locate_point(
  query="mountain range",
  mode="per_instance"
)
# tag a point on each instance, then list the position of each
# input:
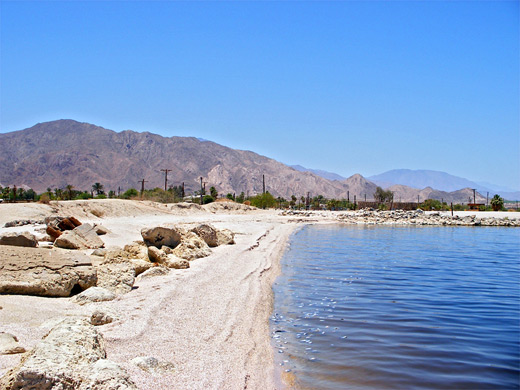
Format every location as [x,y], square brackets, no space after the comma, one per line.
[54,154]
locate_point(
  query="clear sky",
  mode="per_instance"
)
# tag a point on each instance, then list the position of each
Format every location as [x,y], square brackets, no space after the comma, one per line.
[349,87]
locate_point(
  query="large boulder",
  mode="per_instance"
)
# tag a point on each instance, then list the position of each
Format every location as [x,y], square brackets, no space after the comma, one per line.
[82,237]
[159,236]
[35,271]
[191,247]
[71,356]
[208,233]
[25,239]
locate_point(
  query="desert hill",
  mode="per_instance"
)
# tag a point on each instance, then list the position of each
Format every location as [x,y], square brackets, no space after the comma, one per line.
[54,154]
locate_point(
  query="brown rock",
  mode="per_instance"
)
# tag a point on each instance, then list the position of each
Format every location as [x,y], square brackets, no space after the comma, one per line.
[74,221]
[53,232]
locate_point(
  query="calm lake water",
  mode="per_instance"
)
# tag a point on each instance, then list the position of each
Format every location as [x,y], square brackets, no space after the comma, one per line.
[400,308]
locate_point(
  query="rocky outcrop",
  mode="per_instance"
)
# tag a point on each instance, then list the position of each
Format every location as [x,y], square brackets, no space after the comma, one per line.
[94,294]
[81,237]
[25,239]
[71,356]
[45,272]
[9,344]
[208,233]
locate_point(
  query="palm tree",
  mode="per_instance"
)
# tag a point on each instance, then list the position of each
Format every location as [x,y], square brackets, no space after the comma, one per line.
[69,188]
[98,187]
[497,202]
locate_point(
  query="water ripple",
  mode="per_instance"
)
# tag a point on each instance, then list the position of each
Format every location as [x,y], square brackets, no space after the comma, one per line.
[400,308]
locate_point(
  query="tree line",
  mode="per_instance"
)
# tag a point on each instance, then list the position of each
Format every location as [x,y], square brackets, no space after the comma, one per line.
[176,194]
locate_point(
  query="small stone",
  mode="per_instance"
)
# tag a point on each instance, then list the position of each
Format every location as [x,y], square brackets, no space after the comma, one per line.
[152,365]
[154,271]
[9,344]
[99,317]
[94,294]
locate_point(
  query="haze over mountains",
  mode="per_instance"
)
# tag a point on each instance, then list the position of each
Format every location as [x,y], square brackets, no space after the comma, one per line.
[54,154]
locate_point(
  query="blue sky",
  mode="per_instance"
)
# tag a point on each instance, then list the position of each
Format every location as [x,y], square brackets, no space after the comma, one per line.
[349,87]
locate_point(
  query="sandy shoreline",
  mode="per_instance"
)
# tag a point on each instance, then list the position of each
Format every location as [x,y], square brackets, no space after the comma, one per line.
[210,321]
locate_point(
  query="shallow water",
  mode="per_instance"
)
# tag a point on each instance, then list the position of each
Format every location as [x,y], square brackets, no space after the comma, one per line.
[400,308]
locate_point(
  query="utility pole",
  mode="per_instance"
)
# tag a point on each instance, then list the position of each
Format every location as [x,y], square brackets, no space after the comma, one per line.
[348,196]
[201,190]
[142,186]
[166,178]
[365,197]
[263,184]
[474,198]
[183,195]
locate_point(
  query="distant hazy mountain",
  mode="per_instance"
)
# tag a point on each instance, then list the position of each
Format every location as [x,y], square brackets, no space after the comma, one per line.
[421,179]
[325,174]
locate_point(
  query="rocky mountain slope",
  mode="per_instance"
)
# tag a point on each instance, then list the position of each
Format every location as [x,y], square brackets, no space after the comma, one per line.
[54,154]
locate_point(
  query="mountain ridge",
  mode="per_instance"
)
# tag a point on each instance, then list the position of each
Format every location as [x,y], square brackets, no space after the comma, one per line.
[54,154]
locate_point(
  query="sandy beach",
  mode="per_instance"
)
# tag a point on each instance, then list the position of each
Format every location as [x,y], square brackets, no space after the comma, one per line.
[211,321]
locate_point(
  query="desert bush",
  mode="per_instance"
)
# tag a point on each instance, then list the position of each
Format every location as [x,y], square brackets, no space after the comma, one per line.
[45,198]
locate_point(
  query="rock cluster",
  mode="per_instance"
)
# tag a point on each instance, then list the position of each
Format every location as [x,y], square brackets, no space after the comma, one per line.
[419,217]
[174,247]
[23,222]
[70,233]
[71,356]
